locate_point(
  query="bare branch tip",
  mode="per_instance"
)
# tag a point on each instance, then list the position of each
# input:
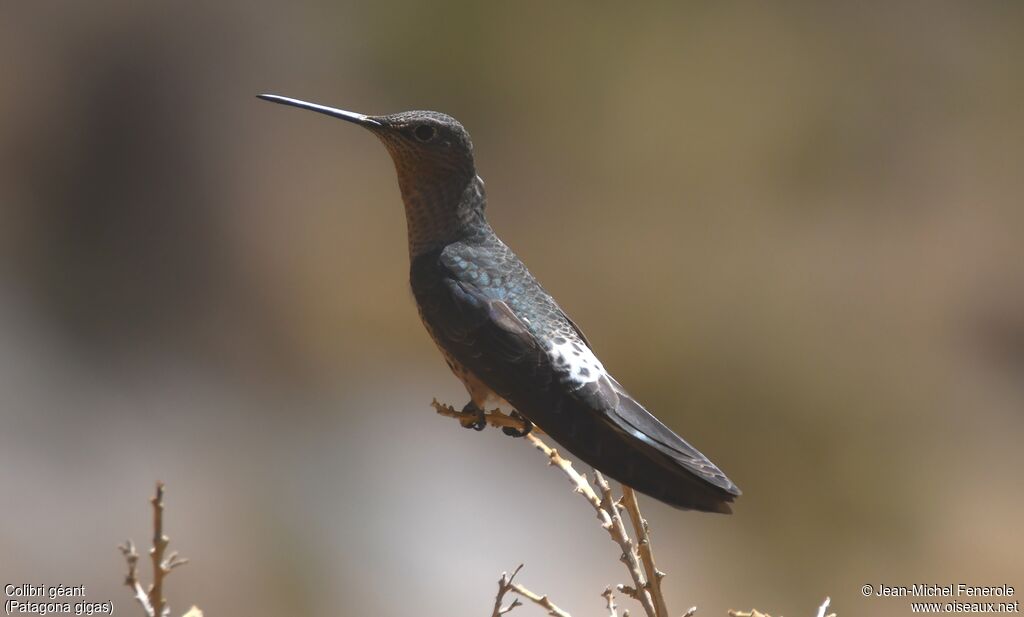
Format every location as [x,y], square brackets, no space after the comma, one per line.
[824,606]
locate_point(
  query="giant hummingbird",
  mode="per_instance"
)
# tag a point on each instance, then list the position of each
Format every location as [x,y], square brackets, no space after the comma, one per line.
[504,336]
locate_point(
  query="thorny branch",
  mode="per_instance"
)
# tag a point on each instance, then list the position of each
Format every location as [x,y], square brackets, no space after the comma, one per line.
[506,584]
[640,590]
[756,613]
[606,508]
[609,602]
[638,555]
[641,532]
[152,601]
[131,579]
[543,601]
[495,417]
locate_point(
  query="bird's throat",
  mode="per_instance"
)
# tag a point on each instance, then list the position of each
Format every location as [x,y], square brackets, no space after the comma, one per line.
[440,212]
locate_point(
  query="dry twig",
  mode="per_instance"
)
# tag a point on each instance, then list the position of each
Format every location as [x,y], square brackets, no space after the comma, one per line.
[756,613]
[609,600]
[543,601]
[638,555]
[643,542]
[506,584]
[640,591]
[495,417]
[605,507]
[824,607]
[152,601]
[131,579]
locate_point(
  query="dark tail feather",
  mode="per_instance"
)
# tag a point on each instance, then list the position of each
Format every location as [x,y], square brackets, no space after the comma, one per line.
[631,461]
[613,433]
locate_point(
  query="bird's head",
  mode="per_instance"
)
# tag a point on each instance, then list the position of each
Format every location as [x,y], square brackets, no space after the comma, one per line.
[425,145]
[433,155]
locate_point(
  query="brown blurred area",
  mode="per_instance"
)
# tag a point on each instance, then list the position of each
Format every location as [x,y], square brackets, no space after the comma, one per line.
[794,232]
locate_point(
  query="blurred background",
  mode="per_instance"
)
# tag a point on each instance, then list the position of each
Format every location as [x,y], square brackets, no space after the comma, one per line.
[794,232]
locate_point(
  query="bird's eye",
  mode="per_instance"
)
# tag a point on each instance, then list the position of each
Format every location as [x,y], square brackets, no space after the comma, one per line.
[425,132]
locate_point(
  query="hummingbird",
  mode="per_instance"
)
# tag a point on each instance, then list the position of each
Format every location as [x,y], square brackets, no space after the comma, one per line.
[504,336]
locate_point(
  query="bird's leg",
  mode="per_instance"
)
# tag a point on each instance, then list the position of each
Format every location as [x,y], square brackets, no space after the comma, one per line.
[515,432]
[478,422]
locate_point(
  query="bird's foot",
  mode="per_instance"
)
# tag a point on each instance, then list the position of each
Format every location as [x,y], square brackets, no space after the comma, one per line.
[474,418]
[515,432]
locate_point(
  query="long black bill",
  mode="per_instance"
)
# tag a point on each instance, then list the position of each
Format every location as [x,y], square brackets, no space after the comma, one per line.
[351,116]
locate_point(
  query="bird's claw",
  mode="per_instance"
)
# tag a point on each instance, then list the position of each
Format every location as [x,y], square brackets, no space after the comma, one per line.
[515,432]
[478,422]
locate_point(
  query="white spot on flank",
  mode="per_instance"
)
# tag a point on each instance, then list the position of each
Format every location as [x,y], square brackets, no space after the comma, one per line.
[578,362]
